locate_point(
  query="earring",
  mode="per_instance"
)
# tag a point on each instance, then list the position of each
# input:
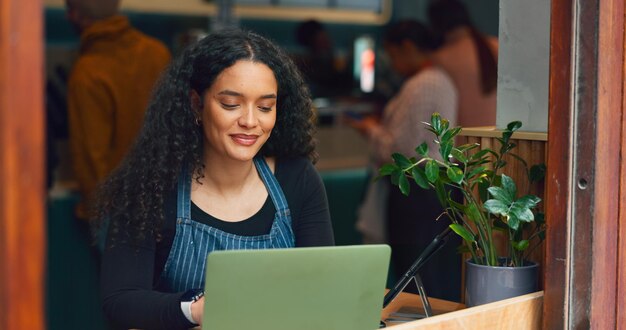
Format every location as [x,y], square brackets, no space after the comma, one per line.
[198,121]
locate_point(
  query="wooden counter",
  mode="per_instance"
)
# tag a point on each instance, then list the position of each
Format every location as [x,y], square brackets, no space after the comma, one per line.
[411,303]
[518,313]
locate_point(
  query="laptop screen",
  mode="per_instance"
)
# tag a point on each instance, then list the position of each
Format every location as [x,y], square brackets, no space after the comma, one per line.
[302,288]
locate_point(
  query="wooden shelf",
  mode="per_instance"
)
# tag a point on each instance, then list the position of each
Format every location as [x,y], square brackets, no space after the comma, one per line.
[201,8]
[491,132]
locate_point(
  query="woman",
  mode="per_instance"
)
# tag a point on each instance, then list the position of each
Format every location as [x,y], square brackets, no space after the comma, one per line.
[223,161]
[411,221]
[470,58]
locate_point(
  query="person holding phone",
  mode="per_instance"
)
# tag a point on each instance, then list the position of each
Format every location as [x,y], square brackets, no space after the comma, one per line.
[410,222]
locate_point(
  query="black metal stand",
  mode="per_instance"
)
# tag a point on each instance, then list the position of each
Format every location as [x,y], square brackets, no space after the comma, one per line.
[437,243]
[428,311]
[399,317]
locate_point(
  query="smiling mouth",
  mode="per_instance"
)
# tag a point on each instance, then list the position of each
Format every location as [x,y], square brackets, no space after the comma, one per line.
[244,140]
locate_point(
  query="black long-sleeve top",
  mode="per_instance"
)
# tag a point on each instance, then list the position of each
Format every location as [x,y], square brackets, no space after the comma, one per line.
[131,271]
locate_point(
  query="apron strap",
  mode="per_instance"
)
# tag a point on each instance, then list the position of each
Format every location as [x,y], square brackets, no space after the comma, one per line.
[183,202]
[274,189]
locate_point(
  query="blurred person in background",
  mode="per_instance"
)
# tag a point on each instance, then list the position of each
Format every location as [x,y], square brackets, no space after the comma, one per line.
[411,222]
[326,74]
[108,89]
[470,58]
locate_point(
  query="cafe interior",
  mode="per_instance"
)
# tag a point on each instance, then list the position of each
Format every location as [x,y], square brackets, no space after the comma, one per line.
[560,72]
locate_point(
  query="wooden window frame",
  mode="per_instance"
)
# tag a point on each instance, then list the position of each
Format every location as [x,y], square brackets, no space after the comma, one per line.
[585,257]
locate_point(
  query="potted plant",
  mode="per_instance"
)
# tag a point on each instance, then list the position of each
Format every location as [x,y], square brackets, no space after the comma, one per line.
[491,207]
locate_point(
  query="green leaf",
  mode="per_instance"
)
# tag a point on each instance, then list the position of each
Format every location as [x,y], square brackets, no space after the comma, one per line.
[540,218]
[419,177]
[475,171]
[458,206]
[435,121]
[521,213]
[464,233]
[480,154]
[521,245]
[509,186]
[444,149]
[458,155]
[514,126]
[478,162]
[528,201]
[401,160]
[387,169]
[506,137]
[537,173]
[455,174]
[430,128]
[497,179]
[450,134]
[471,210]
[520,159]
[395,176]
[432,171]
[456,131]
[496,207]
[422,149]
[500,163]
[444,124]
[501,195]
[441,193]
[403,183]
[483,185]
[468,146]
[513,222]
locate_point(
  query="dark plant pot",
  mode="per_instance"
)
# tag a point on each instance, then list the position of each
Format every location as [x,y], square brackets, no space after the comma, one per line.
[485,284]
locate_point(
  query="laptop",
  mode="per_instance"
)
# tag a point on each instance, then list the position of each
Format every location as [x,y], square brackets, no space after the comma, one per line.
[316,288]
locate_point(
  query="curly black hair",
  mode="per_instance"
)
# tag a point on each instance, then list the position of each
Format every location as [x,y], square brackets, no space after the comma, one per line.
[131,199]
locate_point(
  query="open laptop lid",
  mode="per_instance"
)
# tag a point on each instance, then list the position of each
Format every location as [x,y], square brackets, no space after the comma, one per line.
[303,288]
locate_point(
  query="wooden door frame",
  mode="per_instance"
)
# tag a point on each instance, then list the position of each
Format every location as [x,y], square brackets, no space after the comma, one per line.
[584,280]
[22,199]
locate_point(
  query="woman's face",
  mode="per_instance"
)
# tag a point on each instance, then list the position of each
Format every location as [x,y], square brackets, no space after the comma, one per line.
[239,111]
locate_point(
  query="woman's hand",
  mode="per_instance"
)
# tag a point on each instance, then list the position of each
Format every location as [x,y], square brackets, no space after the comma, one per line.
[197,309]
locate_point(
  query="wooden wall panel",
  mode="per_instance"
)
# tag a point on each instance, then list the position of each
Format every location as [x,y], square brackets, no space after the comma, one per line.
[22,226]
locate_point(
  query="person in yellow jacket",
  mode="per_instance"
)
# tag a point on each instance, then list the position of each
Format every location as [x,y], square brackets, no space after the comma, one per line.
[108,89]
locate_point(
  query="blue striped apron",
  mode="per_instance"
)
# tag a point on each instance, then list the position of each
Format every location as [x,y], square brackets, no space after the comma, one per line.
[193,241]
